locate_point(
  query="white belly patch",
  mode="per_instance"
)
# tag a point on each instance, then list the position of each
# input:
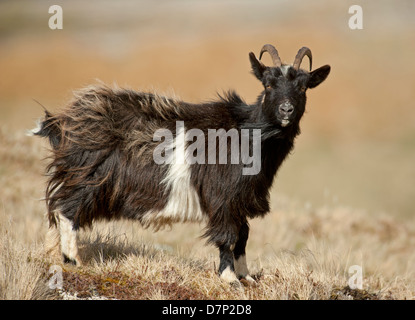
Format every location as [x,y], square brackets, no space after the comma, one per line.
[183,204]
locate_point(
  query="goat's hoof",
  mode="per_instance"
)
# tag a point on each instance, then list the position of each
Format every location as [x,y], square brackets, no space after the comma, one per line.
[230,277]
[73,261]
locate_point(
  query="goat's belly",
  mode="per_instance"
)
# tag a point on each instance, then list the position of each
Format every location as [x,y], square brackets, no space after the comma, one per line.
[183,203]
[183,207]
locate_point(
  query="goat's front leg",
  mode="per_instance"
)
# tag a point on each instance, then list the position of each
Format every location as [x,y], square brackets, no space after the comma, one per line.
[226,266]
[233,258]
[241,268]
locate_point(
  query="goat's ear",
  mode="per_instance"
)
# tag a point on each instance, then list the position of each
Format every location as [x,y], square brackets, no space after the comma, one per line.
[257,67]
[318,76]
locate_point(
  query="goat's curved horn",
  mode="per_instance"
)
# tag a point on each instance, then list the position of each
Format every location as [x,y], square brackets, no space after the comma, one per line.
[273,53]
[304,51]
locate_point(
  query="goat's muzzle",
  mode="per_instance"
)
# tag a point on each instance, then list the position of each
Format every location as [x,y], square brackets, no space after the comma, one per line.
[285,112]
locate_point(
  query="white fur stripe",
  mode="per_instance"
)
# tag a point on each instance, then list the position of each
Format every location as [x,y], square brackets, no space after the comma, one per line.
[183,204]
[284,69]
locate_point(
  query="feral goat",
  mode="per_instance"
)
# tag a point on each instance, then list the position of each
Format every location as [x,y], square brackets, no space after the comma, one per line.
[119,153]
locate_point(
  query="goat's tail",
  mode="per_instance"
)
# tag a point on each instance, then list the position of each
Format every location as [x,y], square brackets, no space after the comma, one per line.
[49,127]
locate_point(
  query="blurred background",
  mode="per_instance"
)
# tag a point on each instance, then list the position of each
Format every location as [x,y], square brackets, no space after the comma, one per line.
[357,146]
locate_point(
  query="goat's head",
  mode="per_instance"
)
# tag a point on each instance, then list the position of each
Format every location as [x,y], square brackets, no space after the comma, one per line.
[284,98]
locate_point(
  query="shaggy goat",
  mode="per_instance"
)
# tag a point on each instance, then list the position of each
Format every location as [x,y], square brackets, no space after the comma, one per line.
[104,164]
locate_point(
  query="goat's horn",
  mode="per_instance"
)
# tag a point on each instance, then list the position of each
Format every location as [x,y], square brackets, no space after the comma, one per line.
[273,53]
[304,51]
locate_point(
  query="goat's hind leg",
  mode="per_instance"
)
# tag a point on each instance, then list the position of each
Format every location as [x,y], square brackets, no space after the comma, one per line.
[69,246]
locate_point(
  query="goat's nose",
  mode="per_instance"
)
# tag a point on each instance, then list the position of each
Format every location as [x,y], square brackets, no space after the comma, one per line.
[286,108]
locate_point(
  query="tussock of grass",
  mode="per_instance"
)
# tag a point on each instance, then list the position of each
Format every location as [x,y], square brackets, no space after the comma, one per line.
[22,274]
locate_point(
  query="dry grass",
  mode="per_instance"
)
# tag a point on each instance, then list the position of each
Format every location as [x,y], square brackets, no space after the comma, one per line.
[297,252]
[21,273]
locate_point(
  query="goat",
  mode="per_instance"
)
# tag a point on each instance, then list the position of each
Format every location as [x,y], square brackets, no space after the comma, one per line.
[103,166]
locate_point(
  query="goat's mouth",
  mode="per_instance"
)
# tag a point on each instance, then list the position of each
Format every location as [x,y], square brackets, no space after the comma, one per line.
[285,121]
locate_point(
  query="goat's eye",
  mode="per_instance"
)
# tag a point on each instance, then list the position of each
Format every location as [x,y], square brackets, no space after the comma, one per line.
[303,89]
[268,86]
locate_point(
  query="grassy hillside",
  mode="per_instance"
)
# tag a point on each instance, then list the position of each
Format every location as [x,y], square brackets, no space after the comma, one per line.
[297,252]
